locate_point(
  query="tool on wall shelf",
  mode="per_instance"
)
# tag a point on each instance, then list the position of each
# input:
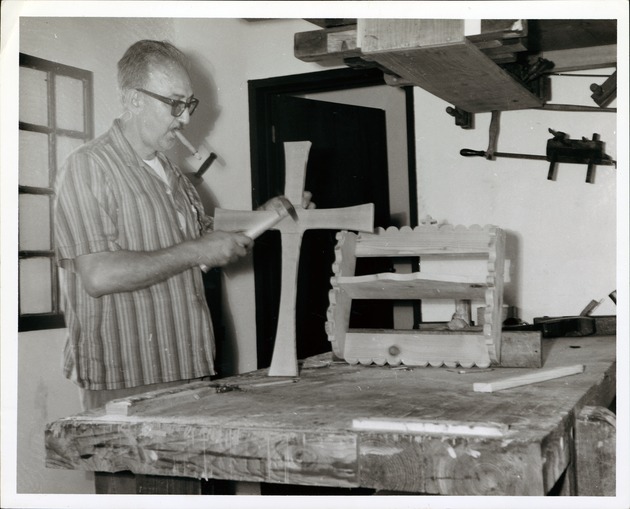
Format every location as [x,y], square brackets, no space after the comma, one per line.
[463,119]
[605,93]
[560,149]
[534,76]
[613,296]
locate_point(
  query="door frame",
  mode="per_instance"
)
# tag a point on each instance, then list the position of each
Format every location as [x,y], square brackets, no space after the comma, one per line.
[261,93]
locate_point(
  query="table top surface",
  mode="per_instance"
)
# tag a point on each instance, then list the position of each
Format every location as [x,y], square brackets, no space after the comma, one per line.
[306,430]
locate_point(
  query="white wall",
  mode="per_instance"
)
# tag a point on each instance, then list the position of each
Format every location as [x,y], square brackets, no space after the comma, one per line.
[44,395]
[562,234]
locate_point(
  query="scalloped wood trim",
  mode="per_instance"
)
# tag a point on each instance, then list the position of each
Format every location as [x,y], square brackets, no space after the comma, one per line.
[416,348]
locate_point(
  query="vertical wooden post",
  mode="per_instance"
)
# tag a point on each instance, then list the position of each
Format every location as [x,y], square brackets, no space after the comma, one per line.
[595,440]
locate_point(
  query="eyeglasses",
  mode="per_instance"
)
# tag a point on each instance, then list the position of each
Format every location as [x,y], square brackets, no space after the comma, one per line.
[177,106]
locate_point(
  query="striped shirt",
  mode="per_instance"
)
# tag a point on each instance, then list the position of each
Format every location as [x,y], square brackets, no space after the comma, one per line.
[107,199]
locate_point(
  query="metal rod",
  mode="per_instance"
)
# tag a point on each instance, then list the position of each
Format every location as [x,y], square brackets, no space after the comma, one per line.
[575,107]
[466,152]
[579,75]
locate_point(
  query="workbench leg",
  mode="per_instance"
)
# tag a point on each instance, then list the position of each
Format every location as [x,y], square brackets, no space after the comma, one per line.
[246,488]
[127,483]
[118,483]
[161,485]
[566,485]
[595,440]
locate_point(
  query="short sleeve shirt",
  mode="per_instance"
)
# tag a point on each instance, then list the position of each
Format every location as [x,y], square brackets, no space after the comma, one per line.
[107,199]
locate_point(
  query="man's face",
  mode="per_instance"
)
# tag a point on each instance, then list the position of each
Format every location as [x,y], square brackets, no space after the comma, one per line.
[157,124]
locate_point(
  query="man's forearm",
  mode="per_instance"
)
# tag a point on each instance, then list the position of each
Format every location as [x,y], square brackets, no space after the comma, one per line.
[125,271]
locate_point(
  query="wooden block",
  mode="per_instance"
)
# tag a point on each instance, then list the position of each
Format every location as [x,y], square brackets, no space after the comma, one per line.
[384,35]
[501,29]
[435,465]
[463,311]
[530,378]
[521,349]
[336,43]
[327,44]
[461,75]
[605,325]
[595,441]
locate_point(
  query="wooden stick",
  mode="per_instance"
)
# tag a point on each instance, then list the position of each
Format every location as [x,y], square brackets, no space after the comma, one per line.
[530,378]
[411,425]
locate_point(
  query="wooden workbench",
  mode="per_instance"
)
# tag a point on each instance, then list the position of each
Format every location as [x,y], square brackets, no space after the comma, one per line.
[517,441]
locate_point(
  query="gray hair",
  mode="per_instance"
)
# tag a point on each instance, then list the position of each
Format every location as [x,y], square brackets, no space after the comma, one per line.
[133,67]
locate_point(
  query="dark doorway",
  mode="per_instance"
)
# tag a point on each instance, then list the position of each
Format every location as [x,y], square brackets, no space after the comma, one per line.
[347,166]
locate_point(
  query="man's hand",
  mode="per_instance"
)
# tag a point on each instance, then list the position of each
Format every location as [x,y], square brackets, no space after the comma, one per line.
[275,203]
[218,248]
[306,200]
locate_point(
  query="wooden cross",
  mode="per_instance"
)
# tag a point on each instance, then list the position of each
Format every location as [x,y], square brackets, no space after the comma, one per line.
[359,218]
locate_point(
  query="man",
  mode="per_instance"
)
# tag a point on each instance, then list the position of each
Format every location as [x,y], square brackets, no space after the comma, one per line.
[131,234]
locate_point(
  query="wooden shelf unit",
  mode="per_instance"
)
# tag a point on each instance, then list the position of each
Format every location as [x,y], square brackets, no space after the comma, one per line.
[469,346]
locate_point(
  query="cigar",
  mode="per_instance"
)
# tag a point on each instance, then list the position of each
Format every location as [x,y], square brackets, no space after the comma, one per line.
[188,145]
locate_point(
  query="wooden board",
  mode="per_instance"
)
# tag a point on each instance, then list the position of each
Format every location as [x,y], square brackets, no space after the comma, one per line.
[334,43]
[440,348]
[530,378]
[425,240]
[416,285]
[436,56]
[302,432]
[386,35]
[415,348]
[461,75]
